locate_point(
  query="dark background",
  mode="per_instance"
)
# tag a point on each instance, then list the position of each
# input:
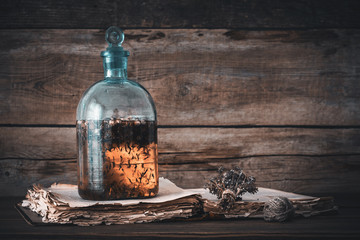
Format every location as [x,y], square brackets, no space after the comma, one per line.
[271,86]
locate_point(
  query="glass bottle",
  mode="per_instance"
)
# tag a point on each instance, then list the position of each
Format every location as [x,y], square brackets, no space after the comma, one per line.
[116,132]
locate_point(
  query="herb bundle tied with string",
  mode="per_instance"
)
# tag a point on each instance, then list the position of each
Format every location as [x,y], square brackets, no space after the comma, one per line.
[230,185]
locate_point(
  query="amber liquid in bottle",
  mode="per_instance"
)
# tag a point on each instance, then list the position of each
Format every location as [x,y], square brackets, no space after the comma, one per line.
[117,159]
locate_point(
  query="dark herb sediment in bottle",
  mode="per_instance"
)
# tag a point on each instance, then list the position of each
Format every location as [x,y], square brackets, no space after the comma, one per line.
[117,159]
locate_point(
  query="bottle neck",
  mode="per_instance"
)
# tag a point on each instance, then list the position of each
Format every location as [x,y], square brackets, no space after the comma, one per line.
[115,67]
[116,73]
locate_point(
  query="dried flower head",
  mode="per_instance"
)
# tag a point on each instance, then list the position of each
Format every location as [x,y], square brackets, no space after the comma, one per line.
[230,185]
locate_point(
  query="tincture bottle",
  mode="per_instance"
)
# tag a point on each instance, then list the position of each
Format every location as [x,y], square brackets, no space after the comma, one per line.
[116,132]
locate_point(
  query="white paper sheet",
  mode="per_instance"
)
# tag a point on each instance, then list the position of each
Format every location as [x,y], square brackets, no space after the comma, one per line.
[168,191]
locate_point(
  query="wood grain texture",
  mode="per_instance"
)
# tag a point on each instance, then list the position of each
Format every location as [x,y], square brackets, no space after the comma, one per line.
[217,143]
[307,175]
[196,77]
[180,14]
[290,159]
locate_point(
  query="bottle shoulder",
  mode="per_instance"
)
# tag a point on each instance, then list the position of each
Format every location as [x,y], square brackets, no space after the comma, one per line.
[116,86]
[112,96]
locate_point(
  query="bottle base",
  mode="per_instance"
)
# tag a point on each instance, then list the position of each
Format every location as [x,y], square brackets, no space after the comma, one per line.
[110,195]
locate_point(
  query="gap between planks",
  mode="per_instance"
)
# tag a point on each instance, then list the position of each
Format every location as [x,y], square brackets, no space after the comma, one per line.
[195,126]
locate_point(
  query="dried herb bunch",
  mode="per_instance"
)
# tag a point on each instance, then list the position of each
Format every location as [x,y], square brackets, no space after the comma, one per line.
[229,185]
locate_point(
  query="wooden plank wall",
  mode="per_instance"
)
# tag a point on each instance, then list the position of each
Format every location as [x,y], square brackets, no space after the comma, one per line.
[271,86]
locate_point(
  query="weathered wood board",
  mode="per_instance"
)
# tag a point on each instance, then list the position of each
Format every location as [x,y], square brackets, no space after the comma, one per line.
[198,143]
[306,174]
[289,159]
[179,14]
[196,77]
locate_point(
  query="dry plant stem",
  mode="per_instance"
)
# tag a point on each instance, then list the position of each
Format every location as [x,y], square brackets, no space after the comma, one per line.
[230,185]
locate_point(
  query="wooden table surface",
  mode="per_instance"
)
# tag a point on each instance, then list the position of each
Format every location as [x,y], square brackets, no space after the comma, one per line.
[345,225]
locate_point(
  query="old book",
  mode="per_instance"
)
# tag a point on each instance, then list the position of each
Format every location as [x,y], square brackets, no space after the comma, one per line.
[61,204]
[252,205]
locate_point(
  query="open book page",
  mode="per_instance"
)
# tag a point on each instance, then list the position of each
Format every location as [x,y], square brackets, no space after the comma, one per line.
[61,203]
[168,191]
